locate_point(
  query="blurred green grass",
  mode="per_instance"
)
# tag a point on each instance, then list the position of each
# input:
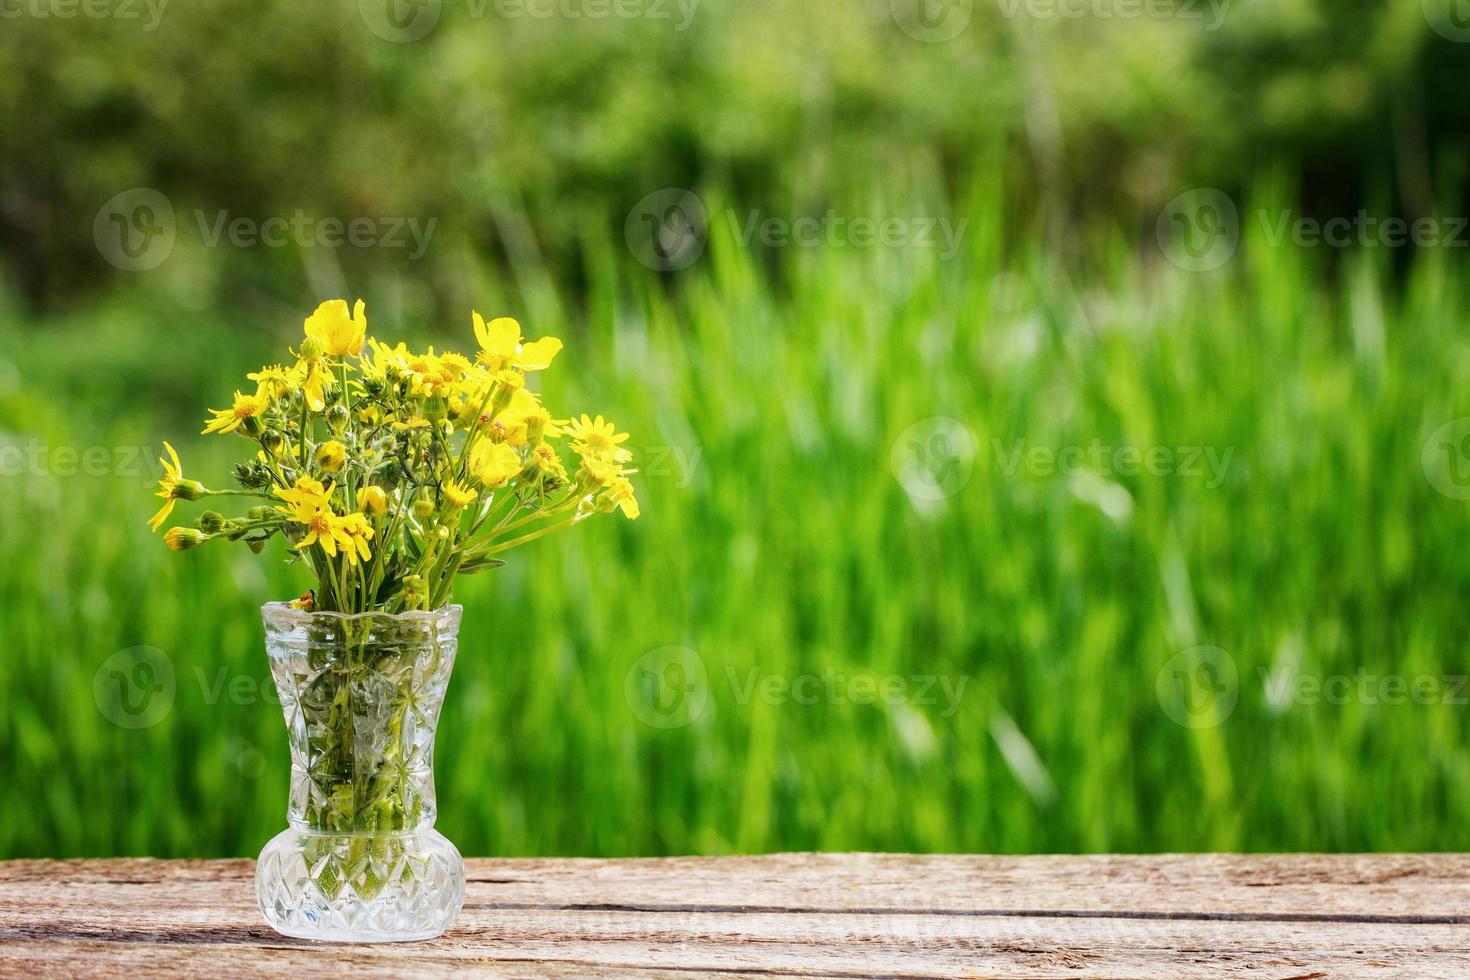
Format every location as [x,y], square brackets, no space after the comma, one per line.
[789,546]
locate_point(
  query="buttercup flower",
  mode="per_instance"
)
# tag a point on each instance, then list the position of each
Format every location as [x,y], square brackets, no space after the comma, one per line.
[501,345]
[336,332]
[494,463]
[229,419]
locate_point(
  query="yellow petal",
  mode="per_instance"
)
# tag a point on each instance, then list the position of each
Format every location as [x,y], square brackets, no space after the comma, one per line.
[504,334]
[538,355]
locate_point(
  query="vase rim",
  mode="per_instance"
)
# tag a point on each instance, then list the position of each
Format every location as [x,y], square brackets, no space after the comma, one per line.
[285,614]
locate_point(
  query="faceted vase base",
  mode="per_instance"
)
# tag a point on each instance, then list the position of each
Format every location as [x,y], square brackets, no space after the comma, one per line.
[360,888]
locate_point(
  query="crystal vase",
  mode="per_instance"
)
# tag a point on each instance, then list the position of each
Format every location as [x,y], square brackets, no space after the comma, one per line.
[361,860]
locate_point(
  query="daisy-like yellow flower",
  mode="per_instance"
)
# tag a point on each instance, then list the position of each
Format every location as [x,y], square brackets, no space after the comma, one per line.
[230,419]
[168,487]
[456,496]
[337,332]
[331,456]
[501,345]
[494,463]
[620,495]
[354,532]
[274,381]
[303,500]
[599,438]
[326,529]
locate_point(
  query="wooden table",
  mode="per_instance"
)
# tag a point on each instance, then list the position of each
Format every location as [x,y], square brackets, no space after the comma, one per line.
[828,915]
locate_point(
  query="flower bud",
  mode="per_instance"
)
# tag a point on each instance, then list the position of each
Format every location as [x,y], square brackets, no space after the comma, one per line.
[436,409]
[261,513]
[271,441]
[183,538]
[331,455]
[423,508]
[372,501]
[256,545]
[211,522]
[337,418]
[188,490]
[311,348]
[252,425]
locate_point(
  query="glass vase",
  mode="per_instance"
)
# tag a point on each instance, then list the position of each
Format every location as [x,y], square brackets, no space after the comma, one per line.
[361,860]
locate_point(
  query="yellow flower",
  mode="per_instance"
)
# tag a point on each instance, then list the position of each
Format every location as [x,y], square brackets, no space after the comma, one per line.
[230,419]
[331,455]
[354,532]
[326,529]
[305,499]
[171,488]
[620,494]
[372,501]
[458,497]
[525,419]
[501,345]
[598,472]
[598,438]
[273,381]
[548,463]
[335,331]
[494,463]
[316,377]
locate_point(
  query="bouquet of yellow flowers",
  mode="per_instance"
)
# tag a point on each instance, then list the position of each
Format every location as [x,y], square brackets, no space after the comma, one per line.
[390,472]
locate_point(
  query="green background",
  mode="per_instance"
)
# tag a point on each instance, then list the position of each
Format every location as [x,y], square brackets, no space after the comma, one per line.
[840,624]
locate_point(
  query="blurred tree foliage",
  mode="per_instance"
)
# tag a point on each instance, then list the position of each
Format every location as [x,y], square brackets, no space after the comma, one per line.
[523,133]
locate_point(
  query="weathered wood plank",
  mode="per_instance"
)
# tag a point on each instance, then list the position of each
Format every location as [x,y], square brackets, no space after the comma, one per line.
[855,915]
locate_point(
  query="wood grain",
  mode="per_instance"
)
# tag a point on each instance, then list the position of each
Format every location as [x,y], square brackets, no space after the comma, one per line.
[805,915]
